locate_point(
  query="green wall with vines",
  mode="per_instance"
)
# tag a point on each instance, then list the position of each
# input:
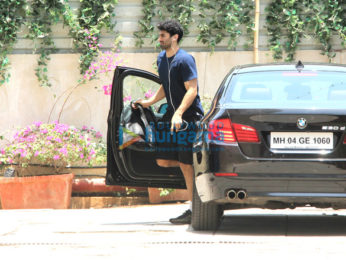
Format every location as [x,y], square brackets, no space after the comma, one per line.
[39,16]
[211,22]
[287,21]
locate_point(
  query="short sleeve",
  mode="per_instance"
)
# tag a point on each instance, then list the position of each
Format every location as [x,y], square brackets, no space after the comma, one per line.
[189,70]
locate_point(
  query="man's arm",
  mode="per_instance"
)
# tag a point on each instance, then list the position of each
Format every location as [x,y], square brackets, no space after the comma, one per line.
[190,95]
[160,94]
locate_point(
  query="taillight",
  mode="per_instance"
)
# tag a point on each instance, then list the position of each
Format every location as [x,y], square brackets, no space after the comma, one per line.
[221,130]
[345,139]
[246,134]
[228,132]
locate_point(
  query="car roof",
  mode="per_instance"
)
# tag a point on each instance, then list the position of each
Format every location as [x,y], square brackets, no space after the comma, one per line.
[290,67]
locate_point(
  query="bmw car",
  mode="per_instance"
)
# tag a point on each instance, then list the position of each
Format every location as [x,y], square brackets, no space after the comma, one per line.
[274,138]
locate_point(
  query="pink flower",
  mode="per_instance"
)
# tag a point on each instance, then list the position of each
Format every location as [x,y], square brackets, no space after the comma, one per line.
[61,128]
[148,94]
[107,89]
[38,124]
[2,151]
[81,156]
[58,140]
[63,151]
[92,152]
[49,138]
[44,131]
[37,153]
[128,98]
[98,135]
[56,157]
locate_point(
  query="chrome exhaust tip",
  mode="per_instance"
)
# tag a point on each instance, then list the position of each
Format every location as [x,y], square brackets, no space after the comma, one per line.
[231,194]
[241,194]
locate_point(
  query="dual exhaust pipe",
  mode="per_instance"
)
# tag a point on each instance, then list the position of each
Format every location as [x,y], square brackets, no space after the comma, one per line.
[236,194]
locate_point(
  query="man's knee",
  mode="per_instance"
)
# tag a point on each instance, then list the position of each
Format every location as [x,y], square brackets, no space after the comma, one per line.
[166,163]
[185,166]
[162,163]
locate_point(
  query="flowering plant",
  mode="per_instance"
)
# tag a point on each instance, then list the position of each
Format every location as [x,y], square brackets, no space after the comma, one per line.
[54,144]
[106,61]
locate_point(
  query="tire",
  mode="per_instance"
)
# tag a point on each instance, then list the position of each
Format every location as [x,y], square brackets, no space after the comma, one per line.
[205,216]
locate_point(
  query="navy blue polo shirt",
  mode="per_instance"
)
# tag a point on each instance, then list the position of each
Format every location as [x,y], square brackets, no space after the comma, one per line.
[173,72]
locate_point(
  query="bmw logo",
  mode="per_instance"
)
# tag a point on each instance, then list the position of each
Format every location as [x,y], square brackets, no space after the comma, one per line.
[301,123]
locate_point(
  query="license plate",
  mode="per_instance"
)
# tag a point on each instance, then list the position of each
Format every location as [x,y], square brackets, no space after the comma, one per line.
[294,140]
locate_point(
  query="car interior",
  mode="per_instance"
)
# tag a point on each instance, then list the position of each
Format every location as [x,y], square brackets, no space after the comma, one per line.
[337,92]
[256,92]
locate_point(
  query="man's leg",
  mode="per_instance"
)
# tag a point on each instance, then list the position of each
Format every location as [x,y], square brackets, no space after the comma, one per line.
[188,172]
[167,163]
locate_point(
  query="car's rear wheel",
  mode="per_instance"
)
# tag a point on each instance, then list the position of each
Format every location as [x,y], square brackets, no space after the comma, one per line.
[205,216]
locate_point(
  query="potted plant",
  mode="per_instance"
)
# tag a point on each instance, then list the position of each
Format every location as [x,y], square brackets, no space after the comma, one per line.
[41,156]
[158,195]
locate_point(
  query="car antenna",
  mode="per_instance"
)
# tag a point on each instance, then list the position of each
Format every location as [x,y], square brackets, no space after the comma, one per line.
[299,66]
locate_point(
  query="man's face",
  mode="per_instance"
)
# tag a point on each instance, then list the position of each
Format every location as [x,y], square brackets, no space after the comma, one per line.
[165,40]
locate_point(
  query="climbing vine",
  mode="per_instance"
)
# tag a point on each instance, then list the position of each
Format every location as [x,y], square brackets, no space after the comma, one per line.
[225,19]
[180,10]
[145,24]
[84,27]
[293,19]
[217,19]
[328,17]
[93,16]
[41,16]
[12,16]
[287,22]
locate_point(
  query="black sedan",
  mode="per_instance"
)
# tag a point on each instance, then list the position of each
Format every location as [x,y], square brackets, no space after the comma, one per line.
[275,137]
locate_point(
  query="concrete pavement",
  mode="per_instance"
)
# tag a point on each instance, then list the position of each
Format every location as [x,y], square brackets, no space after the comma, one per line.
[144,231]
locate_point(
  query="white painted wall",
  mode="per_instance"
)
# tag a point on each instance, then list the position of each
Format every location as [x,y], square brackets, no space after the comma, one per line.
[22,101]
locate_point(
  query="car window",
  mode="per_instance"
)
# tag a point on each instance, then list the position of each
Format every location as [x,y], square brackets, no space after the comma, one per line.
[287,88]
[135,87]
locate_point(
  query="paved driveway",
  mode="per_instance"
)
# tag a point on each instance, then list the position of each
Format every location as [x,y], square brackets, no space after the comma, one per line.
[144,232]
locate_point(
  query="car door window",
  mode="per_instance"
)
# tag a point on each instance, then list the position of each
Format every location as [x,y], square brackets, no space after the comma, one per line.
[135,87]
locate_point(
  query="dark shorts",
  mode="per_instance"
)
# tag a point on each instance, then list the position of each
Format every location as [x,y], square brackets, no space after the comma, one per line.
[176,145]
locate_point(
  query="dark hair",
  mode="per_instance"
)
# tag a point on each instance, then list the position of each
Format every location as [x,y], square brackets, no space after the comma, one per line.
[172,27]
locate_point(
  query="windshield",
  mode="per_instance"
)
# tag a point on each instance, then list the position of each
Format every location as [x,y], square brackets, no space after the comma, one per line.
[288,89]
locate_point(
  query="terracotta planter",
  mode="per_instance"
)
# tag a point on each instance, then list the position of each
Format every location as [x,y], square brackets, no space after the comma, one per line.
[37,192]
[176,195]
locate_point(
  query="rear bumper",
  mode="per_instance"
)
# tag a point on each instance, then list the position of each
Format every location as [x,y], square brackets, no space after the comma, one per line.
[287,181]
[268,192]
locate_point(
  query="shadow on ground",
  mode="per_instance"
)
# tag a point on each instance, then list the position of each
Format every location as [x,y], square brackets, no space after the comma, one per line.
[278,225]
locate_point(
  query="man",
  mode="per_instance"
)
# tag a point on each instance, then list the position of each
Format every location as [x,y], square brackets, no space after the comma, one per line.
[178,74]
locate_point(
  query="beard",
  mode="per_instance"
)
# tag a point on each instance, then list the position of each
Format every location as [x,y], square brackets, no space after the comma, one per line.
[165,46]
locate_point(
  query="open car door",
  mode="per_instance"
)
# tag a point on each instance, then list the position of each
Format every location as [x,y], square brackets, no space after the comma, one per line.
[131,155]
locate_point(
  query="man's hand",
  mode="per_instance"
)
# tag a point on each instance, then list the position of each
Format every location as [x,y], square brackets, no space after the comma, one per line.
[144,103]
[160,94]
[176,121]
